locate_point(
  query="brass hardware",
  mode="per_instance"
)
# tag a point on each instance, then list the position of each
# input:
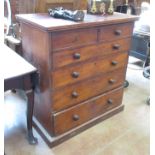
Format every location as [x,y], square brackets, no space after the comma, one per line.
[100,7]
[76,117]
[111,8]
[94,9]
[75,74]
[75,94]
[77,56]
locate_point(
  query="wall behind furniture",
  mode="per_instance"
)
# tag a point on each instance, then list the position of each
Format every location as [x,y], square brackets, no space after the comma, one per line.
[43,5]
[22,6]
[31,6]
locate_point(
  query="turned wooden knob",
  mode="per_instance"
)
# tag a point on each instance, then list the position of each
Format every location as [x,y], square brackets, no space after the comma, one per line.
[76,117]
[112,81]
[75,74]
[110,101]
[77,56]
[75,94]
[116,46]
[114,63]
[118,32]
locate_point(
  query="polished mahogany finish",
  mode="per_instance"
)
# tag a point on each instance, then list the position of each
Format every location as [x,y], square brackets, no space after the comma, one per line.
[82,68]
[72,56]
[87,110]
[74,73]
[86,89]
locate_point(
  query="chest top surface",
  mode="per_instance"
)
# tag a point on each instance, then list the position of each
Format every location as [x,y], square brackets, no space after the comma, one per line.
[44,21]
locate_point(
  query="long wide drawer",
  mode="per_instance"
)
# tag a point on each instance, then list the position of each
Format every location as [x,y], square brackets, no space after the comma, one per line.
[67,57]
[72,117]
[75,73]
[76,93]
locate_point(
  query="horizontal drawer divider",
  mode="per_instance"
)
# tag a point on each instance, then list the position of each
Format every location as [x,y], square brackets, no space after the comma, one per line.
[90,44]
[89,78]
[81,113]
[89,100]
[92,87]
[89,60]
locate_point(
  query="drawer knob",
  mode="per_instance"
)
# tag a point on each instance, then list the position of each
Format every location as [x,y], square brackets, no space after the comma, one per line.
[75,74]
[75,94]
[77,56]
[112,81]
[110,101]
[76,117]
[116,46]
[114,63]
[118,32]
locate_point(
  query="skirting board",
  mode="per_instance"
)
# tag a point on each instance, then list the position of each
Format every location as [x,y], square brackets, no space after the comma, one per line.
[53,141]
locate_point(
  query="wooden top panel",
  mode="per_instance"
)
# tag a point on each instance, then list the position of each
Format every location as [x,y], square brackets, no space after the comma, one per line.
[44,21]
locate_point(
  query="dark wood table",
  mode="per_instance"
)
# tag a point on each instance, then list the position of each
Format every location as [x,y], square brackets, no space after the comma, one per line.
[19,74]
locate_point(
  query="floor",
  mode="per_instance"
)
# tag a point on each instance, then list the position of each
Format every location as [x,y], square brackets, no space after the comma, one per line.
[126,133]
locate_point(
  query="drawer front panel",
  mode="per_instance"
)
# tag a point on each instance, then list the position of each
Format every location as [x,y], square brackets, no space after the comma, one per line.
[115,32]
[71,95]
[72,38]
[81,113]
[67,57]
[72,74]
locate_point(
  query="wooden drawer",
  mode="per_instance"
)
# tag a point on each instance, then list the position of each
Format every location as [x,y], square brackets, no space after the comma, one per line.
[75,73]
[67,57]
[71,95]
[72,38]
[72,117]
[115,32]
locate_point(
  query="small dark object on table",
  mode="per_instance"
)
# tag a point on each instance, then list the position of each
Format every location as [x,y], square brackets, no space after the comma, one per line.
[60,12]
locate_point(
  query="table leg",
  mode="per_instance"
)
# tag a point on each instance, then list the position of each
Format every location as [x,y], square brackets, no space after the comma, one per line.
[32,140]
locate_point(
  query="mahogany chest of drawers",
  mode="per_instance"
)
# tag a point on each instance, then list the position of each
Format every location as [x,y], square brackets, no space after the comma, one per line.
[82,70]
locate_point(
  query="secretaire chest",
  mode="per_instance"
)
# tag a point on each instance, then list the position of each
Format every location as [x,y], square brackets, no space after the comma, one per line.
[82,70]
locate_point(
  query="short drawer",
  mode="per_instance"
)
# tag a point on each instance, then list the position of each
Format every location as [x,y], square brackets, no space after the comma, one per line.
[114,32]
[77,115]
[78,72]
[73,38]
[76,93]
[67,57]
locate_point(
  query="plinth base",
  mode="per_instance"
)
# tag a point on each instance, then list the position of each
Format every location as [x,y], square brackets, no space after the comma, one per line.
[53,141]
